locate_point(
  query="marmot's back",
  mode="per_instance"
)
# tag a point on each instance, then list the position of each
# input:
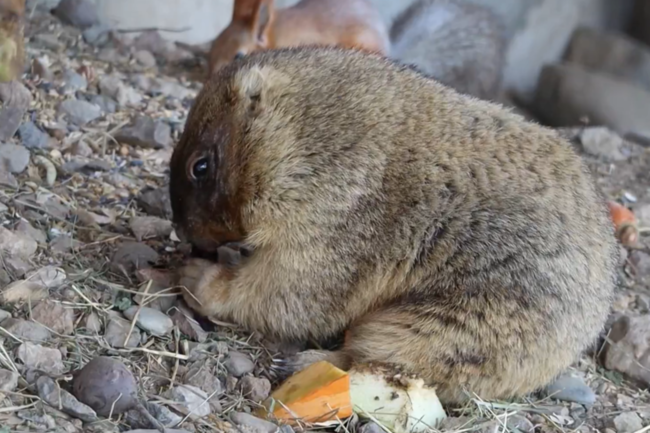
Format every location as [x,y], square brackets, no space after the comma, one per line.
[460,44]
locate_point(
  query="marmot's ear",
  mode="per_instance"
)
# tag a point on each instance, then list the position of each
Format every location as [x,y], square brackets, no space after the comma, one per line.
[258,87]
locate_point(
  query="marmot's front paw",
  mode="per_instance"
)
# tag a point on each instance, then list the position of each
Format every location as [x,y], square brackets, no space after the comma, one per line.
[197,280]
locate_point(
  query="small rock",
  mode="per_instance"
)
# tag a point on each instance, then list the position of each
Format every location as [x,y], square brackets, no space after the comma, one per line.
[79,112]
[33,138]
[17,266]
[257,424]
[116,332]
[169,430]
[160,281]
[628,422]
[182,318]
[37,357]
[602,143]
[146,132]
[4,315]
[106,104]
[113,87]
[193,399]
[238,364]
[371,427]
[16,245]
[74,81]
[64,243]
[97,35]
[256,389]
[571,388]
[165,416]
[627,349]
[152,42]
[13,158]
[640,262]
[199,375]
[54,316]
[10,118]
[148,227]
[93,323]
[8,381]
[78,13]
[25,228]
[49,41]
[14,94]
[156,202]
[26,330]
[81,148]
[59,398]
[41,69]
[88,166]
[8,180]
[145,58]
[22,291]
[50,277]
[150,320]
[131,256]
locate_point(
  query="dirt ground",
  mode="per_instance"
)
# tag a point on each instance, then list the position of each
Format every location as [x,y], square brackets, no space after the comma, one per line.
[85,218]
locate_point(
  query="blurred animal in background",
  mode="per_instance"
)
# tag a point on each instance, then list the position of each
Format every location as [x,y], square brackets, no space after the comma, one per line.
[257,25]
[460,44]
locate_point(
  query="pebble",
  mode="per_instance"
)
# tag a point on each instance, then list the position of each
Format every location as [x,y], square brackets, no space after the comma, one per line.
[628,422]
[4,315]
[182,318]
[193,399]
[97,35]
[79,112]
[106,104]
[571,388]
[145,58]
[22,291]
[13,158]
[169,430]
[165,416]
[50,277]
[238,364]
[25,228]
[260,425]
[14,94]
[10,118]
[146,132]
[33,138]
[130,256]
[147,227]
[78,13]
[113,87]
[93,323]
[372,427]
[8,381]
[64,243]
[26,330]
[626,349]
[150,320]
[256,389]
[74,81]
[156,202]
[59,398]
[601,142]
[54,316]
[37,357]
[48,40]
[199,375]
[16,245]
[116,332]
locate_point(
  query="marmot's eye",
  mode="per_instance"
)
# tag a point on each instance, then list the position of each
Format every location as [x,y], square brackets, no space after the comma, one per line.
[239,55]
[200,168]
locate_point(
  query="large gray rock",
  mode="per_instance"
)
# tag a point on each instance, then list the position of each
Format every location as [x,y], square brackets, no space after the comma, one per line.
[611,53]
[567,94]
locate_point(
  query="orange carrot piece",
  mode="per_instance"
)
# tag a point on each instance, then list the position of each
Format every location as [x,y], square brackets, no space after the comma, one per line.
[625,223]
[319,393]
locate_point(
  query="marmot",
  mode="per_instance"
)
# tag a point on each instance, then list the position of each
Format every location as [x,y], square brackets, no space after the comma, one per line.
[460,44]
[449,236]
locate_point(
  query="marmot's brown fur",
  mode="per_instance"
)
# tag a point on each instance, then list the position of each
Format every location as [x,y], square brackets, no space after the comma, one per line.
[450,236]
